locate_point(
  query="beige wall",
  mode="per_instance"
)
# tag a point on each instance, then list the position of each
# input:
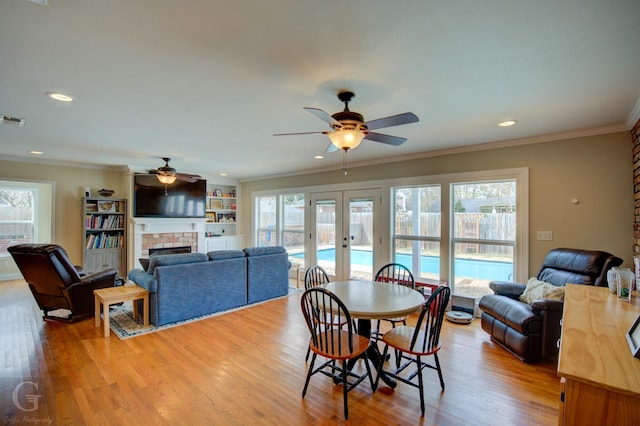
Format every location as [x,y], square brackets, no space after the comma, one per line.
[596,170]
[69,186]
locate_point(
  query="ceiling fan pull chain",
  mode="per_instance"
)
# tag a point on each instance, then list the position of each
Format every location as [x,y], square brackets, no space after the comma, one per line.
[344,161]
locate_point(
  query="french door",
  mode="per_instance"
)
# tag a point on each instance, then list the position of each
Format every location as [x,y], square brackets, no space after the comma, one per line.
[341,237]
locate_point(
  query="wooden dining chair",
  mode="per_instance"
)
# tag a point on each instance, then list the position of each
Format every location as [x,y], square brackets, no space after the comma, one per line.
[394,273]
[315,277]
[335,344]
[413,343]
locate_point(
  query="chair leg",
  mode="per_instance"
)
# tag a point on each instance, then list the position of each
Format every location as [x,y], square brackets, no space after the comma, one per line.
[345,389]
[306,382]
[308,352]
[435,356]
[398,353]
[420,386]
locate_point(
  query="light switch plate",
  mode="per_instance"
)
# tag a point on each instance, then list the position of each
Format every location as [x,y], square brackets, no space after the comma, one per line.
[545,236]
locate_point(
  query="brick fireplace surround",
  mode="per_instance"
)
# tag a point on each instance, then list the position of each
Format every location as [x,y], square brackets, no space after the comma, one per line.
[635,137]
[166,232]
[169,240]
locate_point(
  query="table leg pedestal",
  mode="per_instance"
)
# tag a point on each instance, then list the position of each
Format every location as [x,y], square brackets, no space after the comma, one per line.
[373,353]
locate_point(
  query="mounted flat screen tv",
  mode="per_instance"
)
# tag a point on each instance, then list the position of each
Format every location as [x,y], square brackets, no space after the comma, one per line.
[179,199]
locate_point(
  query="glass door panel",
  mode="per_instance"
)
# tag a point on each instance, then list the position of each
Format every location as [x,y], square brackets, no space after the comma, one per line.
[360,242]
[342,235]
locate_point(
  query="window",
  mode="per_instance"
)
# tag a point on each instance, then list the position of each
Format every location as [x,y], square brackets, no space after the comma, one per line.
[484,234]
[17,217]
[292,229]
[25,213]
[417,229]
[467,229]
[266,221]
[280,222]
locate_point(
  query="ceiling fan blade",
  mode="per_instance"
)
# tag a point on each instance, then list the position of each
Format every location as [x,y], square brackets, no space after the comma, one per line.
[323,116]
[187,177]
[331,148]
[299,133]
[389,140]
[393,120]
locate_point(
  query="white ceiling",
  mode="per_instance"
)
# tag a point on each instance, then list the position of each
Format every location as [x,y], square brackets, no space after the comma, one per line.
[208,83]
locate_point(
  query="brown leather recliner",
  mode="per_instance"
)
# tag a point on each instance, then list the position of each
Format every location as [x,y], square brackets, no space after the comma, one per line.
[531,332]
[56,283]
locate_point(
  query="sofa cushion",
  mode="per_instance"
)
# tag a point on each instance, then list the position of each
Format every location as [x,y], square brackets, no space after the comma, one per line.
[262,251]
[224,254]
[516,315]
[175,259]
[538,290]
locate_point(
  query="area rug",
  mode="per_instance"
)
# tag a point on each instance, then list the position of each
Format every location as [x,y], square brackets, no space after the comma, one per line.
[125,326]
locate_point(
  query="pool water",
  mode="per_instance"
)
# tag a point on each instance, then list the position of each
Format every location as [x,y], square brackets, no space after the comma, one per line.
[472,268]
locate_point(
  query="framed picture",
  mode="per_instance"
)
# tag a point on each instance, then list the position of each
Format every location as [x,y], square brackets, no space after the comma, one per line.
[106,206]
[633,338]
[218,193]
[215,205]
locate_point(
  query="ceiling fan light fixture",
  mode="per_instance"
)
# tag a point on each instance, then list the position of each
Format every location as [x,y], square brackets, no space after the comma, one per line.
[166,179]
[346,139]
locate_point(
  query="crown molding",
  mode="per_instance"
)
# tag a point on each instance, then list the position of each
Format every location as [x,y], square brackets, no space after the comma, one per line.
[65,163]
[634,116]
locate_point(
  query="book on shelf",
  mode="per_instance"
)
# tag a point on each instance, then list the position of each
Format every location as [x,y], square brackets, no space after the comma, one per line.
[104,240]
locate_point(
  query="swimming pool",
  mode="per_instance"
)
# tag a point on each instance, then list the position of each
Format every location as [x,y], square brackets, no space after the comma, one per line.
[472,268]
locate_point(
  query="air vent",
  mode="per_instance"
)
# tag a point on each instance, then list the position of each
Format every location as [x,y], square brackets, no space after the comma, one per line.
[13,121]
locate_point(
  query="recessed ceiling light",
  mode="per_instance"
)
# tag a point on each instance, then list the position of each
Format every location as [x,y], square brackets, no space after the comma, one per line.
[318,157]
[507,123]
[223,174]
[59,96]
[34,152]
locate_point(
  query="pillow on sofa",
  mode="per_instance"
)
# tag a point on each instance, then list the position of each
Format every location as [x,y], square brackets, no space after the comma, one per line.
[144,262]
[224,254]
[263,251]
[537,290]
[175,259]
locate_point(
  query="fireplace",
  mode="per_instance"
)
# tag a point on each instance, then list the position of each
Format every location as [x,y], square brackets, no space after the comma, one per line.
[166,233]
[169,250]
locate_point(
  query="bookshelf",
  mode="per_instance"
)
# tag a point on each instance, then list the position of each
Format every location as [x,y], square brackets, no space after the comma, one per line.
[104,231]
[221,229]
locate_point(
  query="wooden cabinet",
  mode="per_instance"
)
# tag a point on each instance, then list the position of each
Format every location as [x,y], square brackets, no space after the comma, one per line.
[234,242]
[104,231]
[599,375]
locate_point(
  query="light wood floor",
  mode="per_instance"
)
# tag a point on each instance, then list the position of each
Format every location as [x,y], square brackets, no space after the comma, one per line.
[245,368]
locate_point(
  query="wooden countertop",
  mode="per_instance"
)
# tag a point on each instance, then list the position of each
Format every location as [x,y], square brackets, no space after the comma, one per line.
[594,348]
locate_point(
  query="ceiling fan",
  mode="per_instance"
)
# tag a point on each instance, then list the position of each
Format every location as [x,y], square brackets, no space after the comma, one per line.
[167,174]
[349,128]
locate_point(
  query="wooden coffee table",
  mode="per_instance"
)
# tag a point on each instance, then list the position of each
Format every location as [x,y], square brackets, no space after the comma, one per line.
[124,293]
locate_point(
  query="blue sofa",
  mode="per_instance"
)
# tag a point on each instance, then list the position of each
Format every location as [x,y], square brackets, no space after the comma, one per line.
[185,286]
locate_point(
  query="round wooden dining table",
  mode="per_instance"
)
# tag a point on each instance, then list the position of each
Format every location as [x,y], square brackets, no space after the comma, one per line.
[367,300]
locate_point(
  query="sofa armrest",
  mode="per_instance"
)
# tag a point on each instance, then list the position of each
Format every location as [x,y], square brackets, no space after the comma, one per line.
[143,279]
[547,305]
[508,289]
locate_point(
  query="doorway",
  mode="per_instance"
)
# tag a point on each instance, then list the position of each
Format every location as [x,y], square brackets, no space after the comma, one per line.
[342,234]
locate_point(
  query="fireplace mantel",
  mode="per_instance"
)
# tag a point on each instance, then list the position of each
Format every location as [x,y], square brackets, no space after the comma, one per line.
[146,225]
